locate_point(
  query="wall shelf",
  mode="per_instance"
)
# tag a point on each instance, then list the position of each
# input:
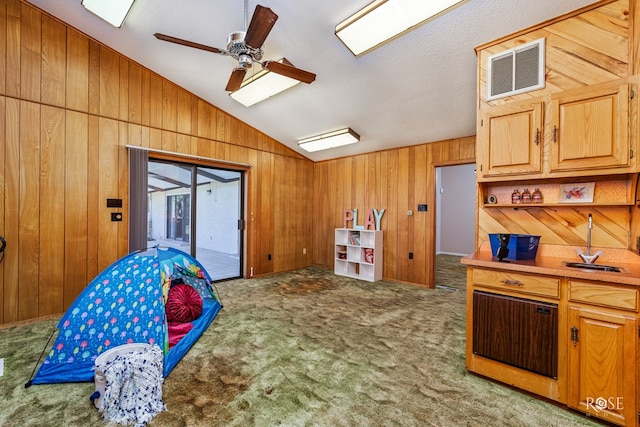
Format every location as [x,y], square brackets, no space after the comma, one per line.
[614,191]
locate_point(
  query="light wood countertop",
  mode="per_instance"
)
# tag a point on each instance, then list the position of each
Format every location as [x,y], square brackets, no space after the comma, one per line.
[551,260]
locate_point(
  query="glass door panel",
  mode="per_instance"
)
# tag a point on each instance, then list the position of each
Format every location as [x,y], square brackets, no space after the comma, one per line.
[197,210]
[218,212]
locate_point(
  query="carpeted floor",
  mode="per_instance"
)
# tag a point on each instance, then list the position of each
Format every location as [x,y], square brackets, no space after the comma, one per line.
[305,348]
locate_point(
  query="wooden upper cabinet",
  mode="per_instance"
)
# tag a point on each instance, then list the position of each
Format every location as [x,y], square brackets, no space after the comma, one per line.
[511,140]
[589,129]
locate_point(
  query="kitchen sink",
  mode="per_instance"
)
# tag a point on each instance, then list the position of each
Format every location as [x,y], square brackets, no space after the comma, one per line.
[598,267]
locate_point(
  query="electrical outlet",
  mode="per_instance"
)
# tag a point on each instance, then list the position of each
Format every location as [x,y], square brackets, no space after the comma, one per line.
[304,251]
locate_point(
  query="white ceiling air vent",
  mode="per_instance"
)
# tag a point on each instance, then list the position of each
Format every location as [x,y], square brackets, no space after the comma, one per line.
[516,70]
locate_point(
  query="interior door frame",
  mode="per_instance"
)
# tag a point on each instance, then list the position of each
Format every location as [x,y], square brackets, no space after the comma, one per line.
[431,249]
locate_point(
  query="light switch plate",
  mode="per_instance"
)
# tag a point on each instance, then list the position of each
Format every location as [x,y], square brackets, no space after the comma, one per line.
[1,367]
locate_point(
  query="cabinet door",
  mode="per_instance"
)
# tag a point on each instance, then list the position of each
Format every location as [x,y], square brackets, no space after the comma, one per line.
[511,137]
[590,129]
[602,350]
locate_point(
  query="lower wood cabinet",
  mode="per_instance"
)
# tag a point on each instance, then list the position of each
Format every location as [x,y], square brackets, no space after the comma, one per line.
[602,358]
[597,335]
[603,350]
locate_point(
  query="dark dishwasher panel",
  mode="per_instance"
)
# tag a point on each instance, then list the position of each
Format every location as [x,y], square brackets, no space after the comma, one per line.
[516,331]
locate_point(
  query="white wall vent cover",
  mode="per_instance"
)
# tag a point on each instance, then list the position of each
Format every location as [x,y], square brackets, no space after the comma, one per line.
[516,70]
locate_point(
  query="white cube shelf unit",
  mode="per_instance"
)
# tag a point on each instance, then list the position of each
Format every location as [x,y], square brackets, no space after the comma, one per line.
[358,254]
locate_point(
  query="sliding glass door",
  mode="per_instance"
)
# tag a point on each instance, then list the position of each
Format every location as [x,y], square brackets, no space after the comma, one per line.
[197,210]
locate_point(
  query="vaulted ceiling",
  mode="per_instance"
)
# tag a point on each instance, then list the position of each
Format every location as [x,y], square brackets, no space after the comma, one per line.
[419,88]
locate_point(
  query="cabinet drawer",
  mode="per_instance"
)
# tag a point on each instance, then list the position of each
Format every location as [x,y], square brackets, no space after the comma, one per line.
[524,283]
[603,295]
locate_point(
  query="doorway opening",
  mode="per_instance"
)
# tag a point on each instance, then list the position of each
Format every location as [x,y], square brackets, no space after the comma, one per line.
[198,210]
[455,220]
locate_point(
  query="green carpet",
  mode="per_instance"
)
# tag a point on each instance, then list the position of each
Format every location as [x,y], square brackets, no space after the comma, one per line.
[305,348]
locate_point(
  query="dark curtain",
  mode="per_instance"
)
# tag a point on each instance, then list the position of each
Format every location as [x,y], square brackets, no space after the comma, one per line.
[138,196]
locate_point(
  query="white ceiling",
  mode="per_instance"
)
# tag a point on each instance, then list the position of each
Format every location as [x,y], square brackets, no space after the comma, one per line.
[419,88]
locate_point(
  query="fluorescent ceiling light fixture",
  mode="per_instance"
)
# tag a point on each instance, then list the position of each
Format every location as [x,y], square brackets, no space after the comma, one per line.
[329,140]
[384,20]
[262,85]
[112,11]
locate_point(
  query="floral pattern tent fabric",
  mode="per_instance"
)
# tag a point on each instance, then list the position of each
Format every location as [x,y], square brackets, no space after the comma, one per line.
[125,304]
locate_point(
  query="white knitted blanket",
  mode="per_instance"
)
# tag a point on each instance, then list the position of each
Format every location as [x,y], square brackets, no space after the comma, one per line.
[133,390]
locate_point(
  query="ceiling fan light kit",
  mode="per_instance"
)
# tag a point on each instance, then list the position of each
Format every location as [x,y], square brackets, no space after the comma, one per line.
[328,140]
[384,20]
[112,11]
[262,85]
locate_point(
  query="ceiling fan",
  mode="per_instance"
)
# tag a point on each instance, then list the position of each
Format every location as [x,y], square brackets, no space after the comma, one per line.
[246,48]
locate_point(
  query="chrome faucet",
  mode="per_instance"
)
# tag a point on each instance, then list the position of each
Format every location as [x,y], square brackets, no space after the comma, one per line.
[588,258]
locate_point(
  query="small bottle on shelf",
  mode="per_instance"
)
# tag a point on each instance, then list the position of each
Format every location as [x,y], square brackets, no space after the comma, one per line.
[515,197]
[526,196]
[536,197]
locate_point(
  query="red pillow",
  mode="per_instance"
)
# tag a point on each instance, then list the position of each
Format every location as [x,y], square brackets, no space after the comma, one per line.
[184,304]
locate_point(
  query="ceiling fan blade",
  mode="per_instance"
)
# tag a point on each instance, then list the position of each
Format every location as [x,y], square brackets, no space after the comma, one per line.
[236,78]
[289,71]
[188,43]
[261,24]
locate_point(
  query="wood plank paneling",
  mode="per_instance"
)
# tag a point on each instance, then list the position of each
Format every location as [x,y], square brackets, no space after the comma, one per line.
[155,101]
[12,59]
[390,220]
[11,210]
[94,78]
[53,62]
[135,93]
[169,105]
[123,85]
[109,83]
[76,157]
[185,101]
[3,54]
[77,72]
[93,184]
[52,215]
[29,210]
[30,53]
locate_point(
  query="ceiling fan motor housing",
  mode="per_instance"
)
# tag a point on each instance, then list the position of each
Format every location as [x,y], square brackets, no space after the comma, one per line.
[238,49]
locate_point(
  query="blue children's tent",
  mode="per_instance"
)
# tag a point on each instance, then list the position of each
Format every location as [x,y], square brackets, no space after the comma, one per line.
[126,304]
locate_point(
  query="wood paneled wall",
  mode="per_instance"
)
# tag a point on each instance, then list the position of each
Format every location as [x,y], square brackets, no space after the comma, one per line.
[396,180]
[68,108]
